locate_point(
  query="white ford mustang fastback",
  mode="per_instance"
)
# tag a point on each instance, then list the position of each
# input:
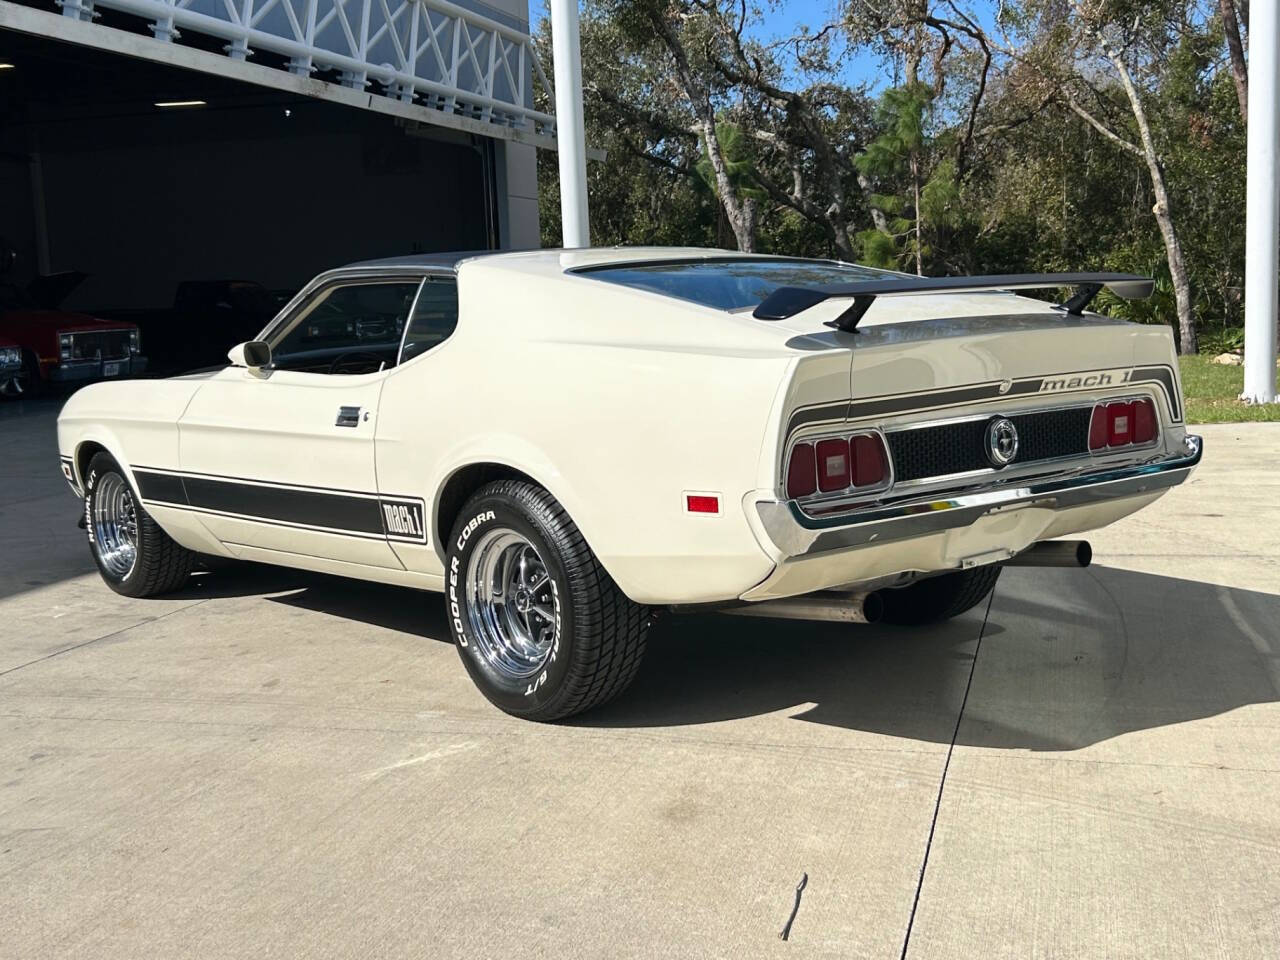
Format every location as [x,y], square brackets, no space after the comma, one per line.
[565,442]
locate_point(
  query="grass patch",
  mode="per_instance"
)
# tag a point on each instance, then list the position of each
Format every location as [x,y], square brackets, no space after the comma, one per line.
[1212,391]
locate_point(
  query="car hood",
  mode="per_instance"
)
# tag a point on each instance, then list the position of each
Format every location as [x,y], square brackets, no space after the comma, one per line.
[49,291]
[15,322]
[203,373]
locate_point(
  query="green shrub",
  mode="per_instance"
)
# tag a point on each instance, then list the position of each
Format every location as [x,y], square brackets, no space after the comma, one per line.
[1214,341]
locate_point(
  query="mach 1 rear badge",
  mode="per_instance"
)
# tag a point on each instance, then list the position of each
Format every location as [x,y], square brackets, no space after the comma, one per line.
[1082,381]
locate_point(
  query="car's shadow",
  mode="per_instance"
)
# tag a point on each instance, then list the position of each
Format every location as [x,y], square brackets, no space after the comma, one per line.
[394,608]
[1067,658]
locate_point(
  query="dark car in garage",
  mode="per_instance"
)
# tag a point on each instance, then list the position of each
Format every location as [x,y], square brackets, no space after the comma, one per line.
[57,346]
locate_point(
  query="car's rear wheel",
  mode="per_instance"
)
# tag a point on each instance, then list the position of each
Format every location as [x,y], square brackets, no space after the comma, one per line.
[135,557]
[939,598]
[541,627]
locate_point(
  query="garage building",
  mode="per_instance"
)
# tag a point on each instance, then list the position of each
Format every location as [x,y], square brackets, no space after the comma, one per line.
[148,144]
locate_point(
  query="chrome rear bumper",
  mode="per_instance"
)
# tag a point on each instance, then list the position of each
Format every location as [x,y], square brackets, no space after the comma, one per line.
[798,535]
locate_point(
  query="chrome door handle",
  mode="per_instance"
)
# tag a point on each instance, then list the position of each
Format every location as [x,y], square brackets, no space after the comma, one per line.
[348,417]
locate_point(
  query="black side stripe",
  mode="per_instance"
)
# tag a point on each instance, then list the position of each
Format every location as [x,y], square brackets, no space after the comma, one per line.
[160,487]
[329,511]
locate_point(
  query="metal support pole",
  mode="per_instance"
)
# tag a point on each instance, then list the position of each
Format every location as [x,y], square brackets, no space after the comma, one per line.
[570,135]
[39,211]
[1262,220]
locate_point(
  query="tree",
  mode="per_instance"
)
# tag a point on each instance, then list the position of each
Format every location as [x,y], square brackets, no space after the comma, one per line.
[691,45]
[1076,47]
[1235,50]
[703,70]
[740,173]
[1113,51]
[1072,134]
[648,190]
[902,153]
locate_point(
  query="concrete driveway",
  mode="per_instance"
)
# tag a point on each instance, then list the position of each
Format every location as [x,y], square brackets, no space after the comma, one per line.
[281,764]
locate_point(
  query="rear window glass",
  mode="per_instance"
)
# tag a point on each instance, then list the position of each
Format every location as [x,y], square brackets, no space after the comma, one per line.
[732,284]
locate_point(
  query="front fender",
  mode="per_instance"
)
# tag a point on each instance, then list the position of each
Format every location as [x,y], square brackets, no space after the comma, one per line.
[73,439]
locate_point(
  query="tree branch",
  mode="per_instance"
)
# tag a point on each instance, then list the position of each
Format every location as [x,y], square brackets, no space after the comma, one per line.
[1097,125]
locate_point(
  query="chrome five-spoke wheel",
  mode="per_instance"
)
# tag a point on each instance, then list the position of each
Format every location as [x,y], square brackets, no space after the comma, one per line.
[512,605]
[540,626]
[115,525]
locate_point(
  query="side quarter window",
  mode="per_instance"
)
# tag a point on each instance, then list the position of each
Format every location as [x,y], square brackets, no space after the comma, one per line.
[434,317]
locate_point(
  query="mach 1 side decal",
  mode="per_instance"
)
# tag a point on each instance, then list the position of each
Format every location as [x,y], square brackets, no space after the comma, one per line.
[995,390]
[346,512]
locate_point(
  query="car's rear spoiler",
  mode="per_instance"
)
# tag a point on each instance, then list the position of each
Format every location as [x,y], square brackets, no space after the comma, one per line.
[788,301]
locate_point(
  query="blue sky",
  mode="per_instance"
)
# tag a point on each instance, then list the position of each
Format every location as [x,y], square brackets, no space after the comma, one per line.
[785,21]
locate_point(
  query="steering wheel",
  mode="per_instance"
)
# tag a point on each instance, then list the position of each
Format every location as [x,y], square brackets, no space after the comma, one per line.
[360,360]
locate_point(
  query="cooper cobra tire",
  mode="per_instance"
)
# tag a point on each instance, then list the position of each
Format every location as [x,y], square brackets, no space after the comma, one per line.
[939,598]
[135,557]
[542,629]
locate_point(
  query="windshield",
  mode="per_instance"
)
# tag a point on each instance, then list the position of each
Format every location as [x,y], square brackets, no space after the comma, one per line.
[730,284]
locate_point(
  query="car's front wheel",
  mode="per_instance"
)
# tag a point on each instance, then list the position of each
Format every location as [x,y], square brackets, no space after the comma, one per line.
[135,557]
[541,627]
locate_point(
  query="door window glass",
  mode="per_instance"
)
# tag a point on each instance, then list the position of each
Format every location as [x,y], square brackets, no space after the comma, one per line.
[347,329]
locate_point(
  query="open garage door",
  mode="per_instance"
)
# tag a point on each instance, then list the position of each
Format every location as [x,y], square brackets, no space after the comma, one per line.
[242,183]
[208,177]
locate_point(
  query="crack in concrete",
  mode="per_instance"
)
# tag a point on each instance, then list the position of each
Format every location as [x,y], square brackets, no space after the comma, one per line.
[105,636]
[942,782]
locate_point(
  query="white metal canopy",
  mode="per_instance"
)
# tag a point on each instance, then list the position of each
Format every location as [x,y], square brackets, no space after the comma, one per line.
[436,61]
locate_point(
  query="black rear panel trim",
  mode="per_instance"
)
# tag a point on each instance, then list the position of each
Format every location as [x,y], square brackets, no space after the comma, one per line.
[948,449]
[973,393]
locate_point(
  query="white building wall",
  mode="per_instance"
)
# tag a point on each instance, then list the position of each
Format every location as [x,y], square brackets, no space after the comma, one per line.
[517,163]
[519,227]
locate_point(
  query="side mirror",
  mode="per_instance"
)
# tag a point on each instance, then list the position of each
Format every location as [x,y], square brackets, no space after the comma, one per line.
[253,354]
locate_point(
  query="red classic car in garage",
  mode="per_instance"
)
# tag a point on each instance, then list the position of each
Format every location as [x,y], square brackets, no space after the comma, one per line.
[55,346]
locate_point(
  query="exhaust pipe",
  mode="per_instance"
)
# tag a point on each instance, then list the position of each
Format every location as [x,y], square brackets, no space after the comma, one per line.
[1054,553]
[826,605]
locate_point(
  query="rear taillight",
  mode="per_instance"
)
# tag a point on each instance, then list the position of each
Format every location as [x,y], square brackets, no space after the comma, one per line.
[869,467]
[1122,423]
[837,464]
[1144,421]
[802,471]
[833,465]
